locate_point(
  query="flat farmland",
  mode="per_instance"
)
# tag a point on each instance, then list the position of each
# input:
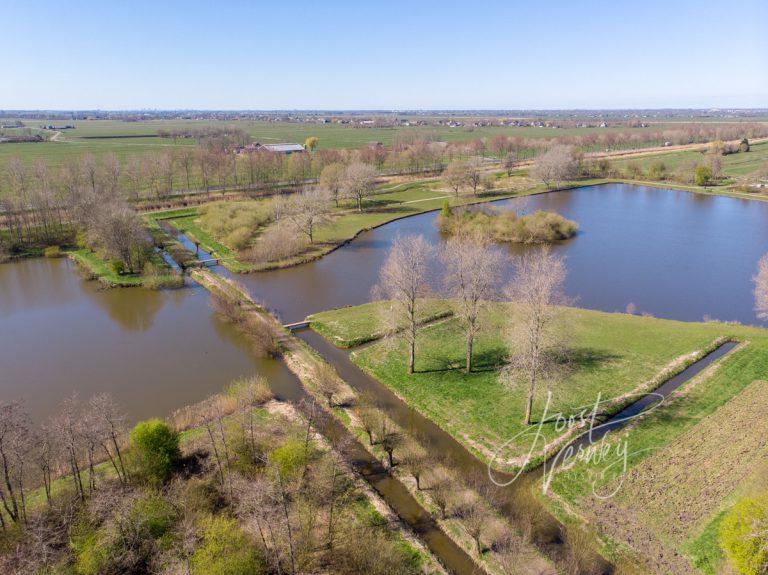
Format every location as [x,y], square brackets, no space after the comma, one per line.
[733,165]
[126,138]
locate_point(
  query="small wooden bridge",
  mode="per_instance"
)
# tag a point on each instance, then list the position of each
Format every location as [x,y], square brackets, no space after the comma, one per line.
[206,262]
[297,325]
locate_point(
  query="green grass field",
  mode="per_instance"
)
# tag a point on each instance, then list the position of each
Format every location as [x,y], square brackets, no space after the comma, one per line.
[124,138]
[686,459]
[733,165]
[612,354]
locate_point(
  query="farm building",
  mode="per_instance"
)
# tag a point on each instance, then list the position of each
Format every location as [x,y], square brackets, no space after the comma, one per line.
[286,148]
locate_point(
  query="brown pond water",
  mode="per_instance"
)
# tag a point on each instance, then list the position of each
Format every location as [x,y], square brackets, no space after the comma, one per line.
[154,351]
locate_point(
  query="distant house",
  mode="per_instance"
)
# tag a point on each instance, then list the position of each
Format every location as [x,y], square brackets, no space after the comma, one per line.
[286,148]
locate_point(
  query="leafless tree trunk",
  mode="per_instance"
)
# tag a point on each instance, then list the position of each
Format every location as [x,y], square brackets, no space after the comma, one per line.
[403,281]
[472,272]
[534,336]
[112,422]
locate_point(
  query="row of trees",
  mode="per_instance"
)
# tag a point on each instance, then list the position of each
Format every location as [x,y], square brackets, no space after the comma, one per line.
[213,163]
[80,203]
[472,268]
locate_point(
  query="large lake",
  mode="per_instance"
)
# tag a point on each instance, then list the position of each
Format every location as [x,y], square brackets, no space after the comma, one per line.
[673,254]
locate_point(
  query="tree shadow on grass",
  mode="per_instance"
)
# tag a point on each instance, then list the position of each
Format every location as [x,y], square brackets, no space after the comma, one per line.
[488,359]
[575,358]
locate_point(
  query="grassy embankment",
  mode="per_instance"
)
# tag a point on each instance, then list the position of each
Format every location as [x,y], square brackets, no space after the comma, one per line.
[95,267]
[688,462]
[612,354]
[346,222]
[686,459]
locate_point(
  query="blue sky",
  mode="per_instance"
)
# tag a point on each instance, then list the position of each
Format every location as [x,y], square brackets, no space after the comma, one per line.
[383,55]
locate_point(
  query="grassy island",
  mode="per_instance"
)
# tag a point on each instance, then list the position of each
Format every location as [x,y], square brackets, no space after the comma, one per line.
[507,226]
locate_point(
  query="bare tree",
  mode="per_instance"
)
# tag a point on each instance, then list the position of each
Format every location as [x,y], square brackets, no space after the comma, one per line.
[442,491]
[111,422]
[510,161]
[308,210]
[474,174]
[327,381]
[535,336]
[474,516]
[15,446]
[415,459]
[761,288]
[185,157]
[556,165]
[118,230]
[359,182]
[403,281]
[332,179]
[472,265]
[65,425]
[456,175]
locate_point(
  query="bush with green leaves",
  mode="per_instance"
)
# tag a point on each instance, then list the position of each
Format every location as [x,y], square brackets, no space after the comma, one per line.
[702,175]
[744,535]
[53,252]
[291,456]
[127,541]
[155,450]
[225,550]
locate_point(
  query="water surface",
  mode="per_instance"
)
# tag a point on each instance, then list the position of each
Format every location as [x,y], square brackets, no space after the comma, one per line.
[670,253]
[154,351]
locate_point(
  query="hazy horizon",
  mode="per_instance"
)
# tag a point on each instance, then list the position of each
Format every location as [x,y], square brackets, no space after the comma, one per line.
[239,55]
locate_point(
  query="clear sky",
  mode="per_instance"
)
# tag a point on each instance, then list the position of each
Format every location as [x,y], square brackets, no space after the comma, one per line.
[370,54]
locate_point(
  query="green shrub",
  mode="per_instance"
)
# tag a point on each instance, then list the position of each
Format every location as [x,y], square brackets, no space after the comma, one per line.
[744,536]
[225,550]
[253,390]
[657,171]
[155,450]
[203,495]
[539,227]
[744,145]
[446,211]
[90,554]
[290,457]
[236,222]
[124,543]
[702,175]
[117,267]
[153,515]
[52,252]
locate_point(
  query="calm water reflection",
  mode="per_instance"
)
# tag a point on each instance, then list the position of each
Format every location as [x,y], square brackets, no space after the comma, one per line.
[671,253]
[155,351]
